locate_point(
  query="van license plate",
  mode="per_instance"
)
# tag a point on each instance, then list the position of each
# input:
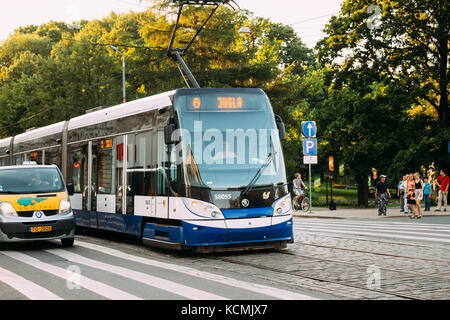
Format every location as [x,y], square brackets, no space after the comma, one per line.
[41,229]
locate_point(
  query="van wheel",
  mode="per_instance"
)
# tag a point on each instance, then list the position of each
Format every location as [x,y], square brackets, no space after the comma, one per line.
[67,242]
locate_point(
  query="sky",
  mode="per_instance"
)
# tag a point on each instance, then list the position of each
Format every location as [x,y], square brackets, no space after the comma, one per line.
[307,17]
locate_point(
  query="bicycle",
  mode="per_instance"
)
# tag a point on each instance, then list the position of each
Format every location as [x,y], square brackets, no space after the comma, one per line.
[304,205]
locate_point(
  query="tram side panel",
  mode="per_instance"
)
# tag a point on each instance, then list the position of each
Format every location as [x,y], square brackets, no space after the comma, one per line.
[96,168]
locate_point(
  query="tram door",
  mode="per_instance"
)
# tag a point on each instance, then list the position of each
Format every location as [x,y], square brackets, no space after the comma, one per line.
[94,177]
[90,197]
[162,191]
[78,174]
[78,177]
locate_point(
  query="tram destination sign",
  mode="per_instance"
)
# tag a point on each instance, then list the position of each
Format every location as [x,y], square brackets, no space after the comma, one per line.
[224,102]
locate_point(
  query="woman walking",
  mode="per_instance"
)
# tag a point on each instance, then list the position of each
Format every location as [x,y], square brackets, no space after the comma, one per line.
[418,184]
[411,189]
[382,195]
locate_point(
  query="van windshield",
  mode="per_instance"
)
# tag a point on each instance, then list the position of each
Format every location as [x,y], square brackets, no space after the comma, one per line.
[30,180]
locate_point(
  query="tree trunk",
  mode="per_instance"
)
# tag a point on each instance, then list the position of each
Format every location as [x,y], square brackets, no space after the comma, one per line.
[363,192]
[443,80]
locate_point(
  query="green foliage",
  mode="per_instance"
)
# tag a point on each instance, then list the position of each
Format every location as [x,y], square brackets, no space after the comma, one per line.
[383,77]
[53,72]
[378,92]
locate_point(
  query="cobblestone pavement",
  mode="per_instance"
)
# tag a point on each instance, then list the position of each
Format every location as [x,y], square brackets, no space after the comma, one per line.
[356,259]
[330,259]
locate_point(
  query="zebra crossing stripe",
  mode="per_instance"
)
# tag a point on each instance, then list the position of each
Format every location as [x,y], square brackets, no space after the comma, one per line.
[377,228]
[270,291]
[160,283]
[89,284]
[27,288]
[380,234]
[406,226]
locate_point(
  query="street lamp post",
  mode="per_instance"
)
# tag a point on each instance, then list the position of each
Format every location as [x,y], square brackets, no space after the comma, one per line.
[123,71]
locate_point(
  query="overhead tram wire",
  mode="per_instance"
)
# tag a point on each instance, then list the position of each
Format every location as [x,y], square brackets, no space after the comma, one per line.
[312,19]
[127,46]
[137,4]
[26,119]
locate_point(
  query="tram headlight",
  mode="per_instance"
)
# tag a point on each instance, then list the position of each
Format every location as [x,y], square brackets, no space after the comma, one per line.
[64,206]
[282,205]
[194,204]
[7,210]
[203,209]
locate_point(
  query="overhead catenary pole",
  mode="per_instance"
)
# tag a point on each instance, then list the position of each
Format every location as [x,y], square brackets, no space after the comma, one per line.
[124,94]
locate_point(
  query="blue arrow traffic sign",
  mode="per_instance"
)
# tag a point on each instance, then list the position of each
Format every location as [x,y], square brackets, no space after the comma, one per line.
[309,147]
[309,129]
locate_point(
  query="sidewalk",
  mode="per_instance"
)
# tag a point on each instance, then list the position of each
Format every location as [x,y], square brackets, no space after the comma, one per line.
[371,213]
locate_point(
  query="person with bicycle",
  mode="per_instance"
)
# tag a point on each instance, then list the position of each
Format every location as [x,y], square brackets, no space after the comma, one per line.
[299,186]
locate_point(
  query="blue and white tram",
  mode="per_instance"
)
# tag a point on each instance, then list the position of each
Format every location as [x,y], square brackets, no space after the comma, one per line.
[203,169]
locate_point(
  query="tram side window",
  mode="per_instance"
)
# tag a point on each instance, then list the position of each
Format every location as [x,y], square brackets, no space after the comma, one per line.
[53,156]
[163,165]
[3,161]
[36,156]
[173,172]
[140,158]
[106,167]
[18,159]
[76,169]
[142,150]
[117,156]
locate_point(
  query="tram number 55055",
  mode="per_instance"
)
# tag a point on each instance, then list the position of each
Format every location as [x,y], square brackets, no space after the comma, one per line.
[222,196]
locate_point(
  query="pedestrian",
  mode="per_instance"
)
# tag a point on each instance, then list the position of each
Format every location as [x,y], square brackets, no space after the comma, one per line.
[443,183]
[382,195]
[426,193]
[401,187]
[411,190]
[418,184]
[405,195]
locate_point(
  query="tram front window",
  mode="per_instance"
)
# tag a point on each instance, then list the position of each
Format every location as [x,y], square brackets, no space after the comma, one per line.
[225,150]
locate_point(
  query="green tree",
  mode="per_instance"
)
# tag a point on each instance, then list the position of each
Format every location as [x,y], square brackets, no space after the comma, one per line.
[385,62]
[52,72]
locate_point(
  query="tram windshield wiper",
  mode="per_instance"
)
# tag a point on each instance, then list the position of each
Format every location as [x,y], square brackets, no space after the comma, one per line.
[257,175]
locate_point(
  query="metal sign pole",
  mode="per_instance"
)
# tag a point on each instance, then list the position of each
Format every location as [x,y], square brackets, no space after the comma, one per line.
[310,190]
[309,130]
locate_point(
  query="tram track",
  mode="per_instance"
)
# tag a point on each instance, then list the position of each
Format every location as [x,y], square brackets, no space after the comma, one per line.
[371,240]
[375,252]
[359,267]
[365,266]
[321,279]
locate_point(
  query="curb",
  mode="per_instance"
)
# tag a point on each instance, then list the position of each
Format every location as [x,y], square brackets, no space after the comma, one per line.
[320,217]
[365,217]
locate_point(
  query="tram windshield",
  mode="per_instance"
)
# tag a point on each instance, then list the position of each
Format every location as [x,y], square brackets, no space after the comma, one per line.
[229,141]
